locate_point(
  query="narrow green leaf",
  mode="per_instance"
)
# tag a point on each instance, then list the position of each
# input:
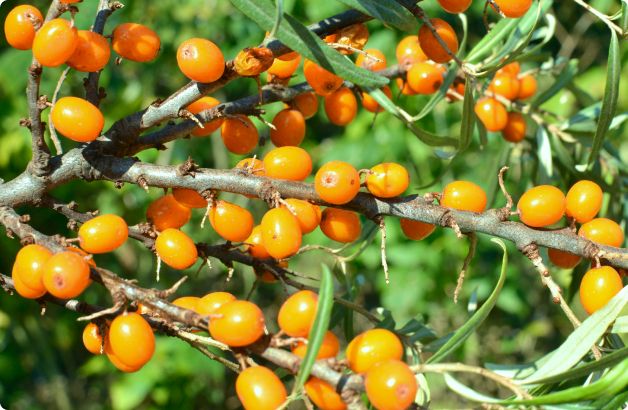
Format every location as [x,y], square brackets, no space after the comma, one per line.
[278,18]
[620,325]
[623,21]
[388,11]
[491,40]
[468,116]
[562,80]
[466,391]
[437,97]
[544,151]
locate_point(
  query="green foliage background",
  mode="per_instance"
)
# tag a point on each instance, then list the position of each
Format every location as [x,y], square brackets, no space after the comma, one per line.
[42,362]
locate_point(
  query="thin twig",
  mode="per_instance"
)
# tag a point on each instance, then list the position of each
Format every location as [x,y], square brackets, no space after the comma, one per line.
[473,241]
[53,133]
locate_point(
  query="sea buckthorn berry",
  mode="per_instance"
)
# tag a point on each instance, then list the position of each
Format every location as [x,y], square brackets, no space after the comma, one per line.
[370,104]
[239,323]
[252,61]
[430,44]
[563,259]
[289,128]
[189,198]
[20,25]
[135,42]
[55,42]
[284,68]
[409,51]
[527,86]
[25,291]
[77,119]
[323,395]
[387,180]
[390,385]
[239,134]
[455,6]
[187,302]
[341,106]
[296,315]
[230,221]
[117,362]
[254,244]
[131,339]
[337,182]
[329,347]
[341,225]
[425,78]
[416,230]
[603,231]
[322,81]
[511,68]
[491,113]
[176,249]
[307,103]
[258,388]
[254,165]
[464,196]
[28,269]
[513,9]
[92,339]
[166,212]
[202,104]
[308,215]
[292,163]
[266,275]
[92,52]
[598,287]
[584,201]
[515,129]
[375,61]
[66,275]
[103,233]
[88,257]
[505,85]
[281,233]
[355,36]
[371,347]
[404,87]
[541,206]
[210,303]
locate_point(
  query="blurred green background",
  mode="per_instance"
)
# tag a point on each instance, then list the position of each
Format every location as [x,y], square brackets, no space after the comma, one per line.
[43,364]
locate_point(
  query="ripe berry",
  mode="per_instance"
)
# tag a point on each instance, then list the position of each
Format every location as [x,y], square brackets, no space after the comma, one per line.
[329,347]
[341,225]
[370,104]
[430,44]
[281,233]
[116,361]
[66,275]
[230,221]
[92,339]
[239,134]
[491,113]
[187,302]
[28,270]
[166,212]
[77,119]
[341,106]
[387,180]
[584,201]
[91,54]
[404,87]
[527,86]
[602,231]
[55,42]
[240,323]
[562,259]
[202,104]
[515,129]
[284,68]
[541,206]
[416,230]
[505,85]
[268,276]
[409,51]
[255,245]
[189,198]
[337,182]
[369,63]
[292,163]
[425,78]
[455,6]
[176,249]
[210,303]
[598,287]
[103,233]
[511,68]
[252,61]
[296,315]
[323,395]
[464,196]
[25,291]
[308,215]
[200,60]
[135,42]
[131,339]
[322,81]
[371,347]
[258,388]
[390,385]
[307,103]
[513,9]
[289,128]
[254,165]
[20,25]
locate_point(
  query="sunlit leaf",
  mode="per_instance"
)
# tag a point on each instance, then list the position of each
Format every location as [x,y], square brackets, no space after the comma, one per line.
[388,11]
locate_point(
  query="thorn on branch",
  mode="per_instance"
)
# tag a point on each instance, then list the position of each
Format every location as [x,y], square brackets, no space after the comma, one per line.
[141,181]
[504,213]
[189,167]
[189,116]
[118,184]
[447,219]
[25,122]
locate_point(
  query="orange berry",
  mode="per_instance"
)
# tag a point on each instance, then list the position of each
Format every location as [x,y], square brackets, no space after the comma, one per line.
[296,315]
[202,104]
[341,225]
[239,134]
[290,128]
[341,106]
[464,196]
[513,9]
[88,257]
[77,119]
[258,388]
[390,385]
[166,212]
[230,221]
[189,198]
[135,42]
[284,68]
[281,233]
[239,323]
[292,55]
[369,63]
[371,347]
[404,87]
[103,233]
[562,259]
[210,303]
[337,182]
[307,103]
[187,302]
[255,165]
[602,231]
[131,339]
[268,276]
[598,287]
[505,85]
[511,68]
[491,113]
[308,215]
[322,81]
[323,395]
[541,206]
[200,60]
[416,230]
[370,104]
[292,163]
[527,86]
[28,269]
[455,6]
[25,291]
[409,51]
[255,245]
[55,42]
[387,180]
[176,249]
[329,347]
[19,26]
[117,362]
[584,201]
[92,52]
[92,339]
[515,129]
[425,78]
[66,275]
[430,44]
